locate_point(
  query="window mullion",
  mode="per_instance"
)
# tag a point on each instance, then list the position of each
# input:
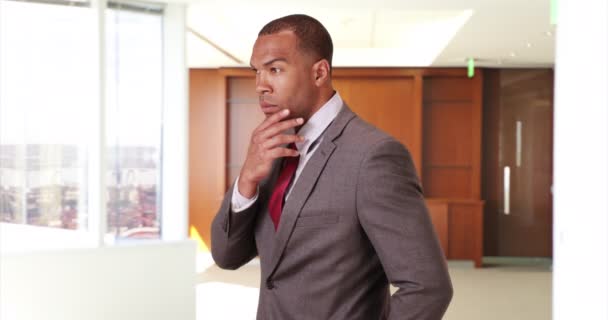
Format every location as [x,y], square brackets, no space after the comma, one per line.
[97,153]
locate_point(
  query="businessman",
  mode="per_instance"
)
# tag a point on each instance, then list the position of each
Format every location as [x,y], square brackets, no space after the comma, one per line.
[330,204]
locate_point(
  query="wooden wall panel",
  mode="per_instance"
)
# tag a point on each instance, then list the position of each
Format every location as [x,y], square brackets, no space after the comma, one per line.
[207,151]
[241,90]
[447,182]
[448,134]
[452,136]
[390,103]
[476,128]
[244,115]
[440,218]
[448,89]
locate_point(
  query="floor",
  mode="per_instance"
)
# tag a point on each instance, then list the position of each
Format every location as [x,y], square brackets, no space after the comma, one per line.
[503,289]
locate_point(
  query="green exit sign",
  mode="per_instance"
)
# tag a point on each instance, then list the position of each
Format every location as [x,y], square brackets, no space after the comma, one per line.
[471,68]
[554,11]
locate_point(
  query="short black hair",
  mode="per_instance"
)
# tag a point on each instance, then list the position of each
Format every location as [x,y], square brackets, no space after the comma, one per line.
[310,33]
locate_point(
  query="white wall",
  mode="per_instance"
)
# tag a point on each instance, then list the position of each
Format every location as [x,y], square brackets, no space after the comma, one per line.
[23,238]
[144,281]
[580,278]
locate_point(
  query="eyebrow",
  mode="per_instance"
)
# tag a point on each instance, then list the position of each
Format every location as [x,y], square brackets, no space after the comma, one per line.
[270,62]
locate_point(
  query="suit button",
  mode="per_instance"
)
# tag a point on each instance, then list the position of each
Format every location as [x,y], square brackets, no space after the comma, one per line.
[269,284]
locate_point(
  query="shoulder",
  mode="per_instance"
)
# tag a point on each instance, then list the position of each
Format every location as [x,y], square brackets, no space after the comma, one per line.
[363,138]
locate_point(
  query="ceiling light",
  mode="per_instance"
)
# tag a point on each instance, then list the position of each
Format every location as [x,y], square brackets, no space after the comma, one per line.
[347,21]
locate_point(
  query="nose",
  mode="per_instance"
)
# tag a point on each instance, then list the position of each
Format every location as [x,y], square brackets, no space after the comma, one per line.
[262,86]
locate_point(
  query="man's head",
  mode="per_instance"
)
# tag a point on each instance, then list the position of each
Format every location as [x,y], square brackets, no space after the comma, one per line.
[292,59]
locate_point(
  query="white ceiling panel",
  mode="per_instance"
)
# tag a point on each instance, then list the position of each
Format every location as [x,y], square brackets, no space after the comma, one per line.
[385,33]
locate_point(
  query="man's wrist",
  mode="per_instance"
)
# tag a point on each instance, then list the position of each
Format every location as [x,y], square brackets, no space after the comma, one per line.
[247,189]
[239,202]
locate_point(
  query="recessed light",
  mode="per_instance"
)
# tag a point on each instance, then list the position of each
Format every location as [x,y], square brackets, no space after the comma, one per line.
[512,54]
[528,45]
[549,33]
[347,21]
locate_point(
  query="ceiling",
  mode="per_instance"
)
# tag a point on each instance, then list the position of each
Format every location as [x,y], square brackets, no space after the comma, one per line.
[405,33]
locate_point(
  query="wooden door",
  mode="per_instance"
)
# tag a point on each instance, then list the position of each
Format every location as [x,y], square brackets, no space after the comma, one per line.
[520,220]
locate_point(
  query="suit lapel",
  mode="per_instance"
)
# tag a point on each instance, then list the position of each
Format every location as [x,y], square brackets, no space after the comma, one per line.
[306,183]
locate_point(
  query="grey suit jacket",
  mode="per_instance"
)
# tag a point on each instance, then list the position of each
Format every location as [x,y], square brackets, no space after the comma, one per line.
[355,221]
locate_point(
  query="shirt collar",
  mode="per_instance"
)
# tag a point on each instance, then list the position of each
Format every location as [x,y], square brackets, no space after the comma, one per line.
[320,120]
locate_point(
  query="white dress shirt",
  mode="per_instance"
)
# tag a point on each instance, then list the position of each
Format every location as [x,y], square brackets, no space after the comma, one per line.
[312,132]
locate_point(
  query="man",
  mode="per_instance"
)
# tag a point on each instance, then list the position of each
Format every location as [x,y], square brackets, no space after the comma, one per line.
[337,218]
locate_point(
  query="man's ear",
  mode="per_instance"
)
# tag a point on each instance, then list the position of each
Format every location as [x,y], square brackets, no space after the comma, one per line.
[321,71]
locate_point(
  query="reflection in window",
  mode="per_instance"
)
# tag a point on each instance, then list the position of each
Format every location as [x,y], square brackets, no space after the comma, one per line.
[47,92]
[134,111]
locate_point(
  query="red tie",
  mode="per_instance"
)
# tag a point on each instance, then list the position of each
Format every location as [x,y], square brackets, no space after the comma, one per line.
[275,206]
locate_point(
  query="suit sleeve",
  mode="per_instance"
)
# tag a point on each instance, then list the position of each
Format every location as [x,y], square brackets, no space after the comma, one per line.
[233,234]
[393,213]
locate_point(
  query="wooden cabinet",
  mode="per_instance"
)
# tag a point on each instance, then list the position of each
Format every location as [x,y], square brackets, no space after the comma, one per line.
[459,227]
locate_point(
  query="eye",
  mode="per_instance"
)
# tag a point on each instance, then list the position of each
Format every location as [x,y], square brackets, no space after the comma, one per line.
[275,70]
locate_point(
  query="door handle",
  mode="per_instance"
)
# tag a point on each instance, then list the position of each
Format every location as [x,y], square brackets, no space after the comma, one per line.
[518,129]
[507,190]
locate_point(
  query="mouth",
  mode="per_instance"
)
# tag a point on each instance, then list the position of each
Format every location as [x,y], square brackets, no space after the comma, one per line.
[268,108]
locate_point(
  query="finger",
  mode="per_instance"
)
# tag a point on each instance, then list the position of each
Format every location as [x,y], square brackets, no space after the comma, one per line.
[272,120]
[281,139]
[279,127]
[280,152]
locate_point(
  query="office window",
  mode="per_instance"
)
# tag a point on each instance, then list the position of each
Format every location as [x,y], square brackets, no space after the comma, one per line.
[134,74]
[48,85]
[49,115]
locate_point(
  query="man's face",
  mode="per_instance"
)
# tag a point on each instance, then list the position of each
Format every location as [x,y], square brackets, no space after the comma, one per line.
[284,75]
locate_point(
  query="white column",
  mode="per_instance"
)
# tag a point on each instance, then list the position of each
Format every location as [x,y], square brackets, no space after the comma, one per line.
[580,279]
[175,126]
